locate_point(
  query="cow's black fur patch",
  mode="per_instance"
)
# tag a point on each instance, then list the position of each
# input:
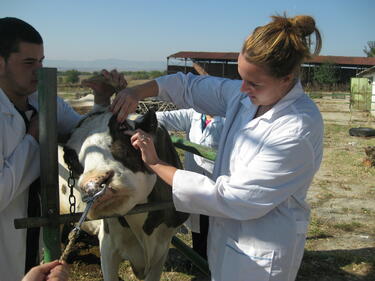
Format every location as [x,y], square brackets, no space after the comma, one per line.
[162,192]
[122,149]
[123,222]
[106,227]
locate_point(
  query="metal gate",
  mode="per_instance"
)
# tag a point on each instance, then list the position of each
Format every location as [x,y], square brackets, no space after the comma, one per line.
[360,94]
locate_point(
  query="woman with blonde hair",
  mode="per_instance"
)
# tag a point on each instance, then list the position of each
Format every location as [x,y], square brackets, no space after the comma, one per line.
[270,148]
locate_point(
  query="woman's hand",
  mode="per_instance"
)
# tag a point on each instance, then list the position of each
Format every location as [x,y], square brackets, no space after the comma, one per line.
[126,102]
[143,141]
[54,271]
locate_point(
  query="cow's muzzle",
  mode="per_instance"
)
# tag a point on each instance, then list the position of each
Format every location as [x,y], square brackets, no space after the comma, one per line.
[94,182]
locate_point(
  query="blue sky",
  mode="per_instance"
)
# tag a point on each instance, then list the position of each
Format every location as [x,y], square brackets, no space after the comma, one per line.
[151,30]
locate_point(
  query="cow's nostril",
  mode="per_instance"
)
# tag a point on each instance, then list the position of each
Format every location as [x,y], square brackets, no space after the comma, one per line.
[110,173]
[108,176]
[96,183]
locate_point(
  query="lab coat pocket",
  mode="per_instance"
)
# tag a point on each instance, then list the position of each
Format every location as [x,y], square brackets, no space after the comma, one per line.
[245,263]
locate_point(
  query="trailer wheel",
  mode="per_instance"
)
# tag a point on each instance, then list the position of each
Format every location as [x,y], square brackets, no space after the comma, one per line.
[362,132]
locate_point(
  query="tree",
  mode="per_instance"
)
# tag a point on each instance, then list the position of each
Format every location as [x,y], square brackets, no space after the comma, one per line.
[369,50]
[72,76]
[325,74]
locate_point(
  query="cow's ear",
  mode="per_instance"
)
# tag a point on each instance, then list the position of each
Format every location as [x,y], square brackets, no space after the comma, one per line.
[149,123]
[71,159]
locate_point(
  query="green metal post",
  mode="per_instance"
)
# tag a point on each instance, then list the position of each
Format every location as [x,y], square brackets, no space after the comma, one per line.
[190,254]
[47,89]
[194,148]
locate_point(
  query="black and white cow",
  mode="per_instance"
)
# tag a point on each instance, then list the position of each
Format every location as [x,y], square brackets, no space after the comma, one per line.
[99,152]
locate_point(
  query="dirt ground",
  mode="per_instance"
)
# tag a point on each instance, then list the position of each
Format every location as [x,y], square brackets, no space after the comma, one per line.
[341,237]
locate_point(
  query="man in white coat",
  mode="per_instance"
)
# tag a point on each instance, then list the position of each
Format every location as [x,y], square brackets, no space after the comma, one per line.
[21,55]
[270,148]
[204,130]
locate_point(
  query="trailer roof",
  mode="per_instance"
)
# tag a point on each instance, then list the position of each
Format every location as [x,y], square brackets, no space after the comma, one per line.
[232,56]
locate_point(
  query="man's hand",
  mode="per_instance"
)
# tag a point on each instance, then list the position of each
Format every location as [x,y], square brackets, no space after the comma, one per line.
[55,271]
[104,85]
[34,127]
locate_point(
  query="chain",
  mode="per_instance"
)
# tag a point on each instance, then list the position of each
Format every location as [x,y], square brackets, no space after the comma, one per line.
[72,198]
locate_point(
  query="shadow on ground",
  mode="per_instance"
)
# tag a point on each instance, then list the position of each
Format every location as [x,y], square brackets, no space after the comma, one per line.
[338,265]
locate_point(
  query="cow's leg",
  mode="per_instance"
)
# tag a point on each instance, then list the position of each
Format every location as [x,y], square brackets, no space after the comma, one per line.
[156,269]
[109,256]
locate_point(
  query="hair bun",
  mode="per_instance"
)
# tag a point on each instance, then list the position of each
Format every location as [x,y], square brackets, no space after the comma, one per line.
[304,24]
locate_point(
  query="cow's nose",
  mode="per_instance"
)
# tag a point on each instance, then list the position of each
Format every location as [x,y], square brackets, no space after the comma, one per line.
[93,181]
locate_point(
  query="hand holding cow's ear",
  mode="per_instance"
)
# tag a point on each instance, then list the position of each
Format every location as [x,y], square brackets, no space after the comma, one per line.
[125,102]
[143,141]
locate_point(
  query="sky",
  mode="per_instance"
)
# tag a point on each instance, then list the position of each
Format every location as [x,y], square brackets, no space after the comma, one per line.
[151,30]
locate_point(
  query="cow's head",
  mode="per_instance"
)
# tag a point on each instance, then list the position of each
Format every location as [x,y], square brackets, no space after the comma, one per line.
[99,152]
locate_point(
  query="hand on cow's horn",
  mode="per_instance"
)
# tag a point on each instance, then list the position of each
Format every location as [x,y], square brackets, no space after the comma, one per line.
[105,84]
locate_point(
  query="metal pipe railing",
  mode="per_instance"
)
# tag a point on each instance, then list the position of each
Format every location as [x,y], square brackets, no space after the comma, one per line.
[47,92]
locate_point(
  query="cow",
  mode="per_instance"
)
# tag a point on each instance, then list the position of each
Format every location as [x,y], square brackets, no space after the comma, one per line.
[99,152]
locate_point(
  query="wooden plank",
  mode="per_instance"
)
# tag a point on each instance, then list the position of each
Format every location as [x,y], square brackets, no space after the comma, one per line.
[198,68]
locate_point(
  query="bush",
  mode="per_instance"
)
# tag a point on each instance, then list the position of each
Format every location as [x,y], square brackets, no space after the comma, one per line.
[143,75]
[72,76]
[326,74]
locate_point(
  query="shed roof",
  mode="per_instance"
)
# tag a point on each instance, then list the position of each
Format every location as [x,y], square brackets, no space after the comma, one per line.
[232,56]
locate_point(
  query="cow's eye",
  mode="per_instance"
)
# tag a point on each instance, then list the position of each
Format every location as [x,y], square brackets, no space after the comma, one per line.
[124,126]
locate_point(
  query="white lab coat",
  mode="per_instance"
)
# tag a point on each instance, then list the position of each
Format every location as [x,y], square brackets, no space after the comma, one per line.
[264,166]
[189,121]
[19,167]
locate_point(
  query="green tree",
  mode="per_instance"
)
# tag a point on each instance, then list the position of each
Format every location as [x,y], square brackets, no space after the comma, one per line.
[325,74]
[369,50]
[72,76]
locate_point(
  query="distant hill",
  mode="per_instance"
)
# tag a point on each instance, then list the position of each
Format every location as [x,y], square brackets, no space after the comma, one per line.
[95,65]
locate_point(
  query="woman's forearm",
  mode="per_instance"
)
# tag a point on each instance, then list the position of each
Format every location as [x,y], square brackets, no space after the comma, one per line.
[164,171]
[146,90]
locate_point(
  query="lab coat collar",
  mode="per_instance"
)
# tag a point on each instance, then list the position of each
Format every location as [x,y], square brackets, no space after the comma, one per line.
[7,107]
[289,98]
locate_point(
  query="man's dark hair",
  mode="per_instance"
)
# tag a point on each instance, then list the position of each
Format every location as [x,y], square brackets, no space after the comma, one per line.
[13,31]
